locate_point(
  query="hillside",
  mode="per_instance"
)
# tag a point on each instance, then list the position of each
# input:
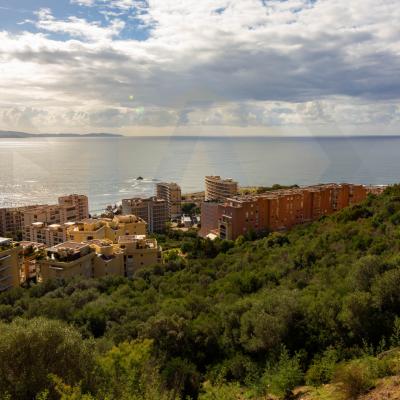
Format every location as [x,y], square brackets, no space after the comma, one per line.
[25,135]
[250,317]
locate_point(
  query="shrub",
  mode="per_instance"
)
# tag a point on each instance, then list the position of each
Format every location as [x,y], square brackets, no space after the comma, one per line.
[218,392]
[282,378]
[357,377]
[322,369]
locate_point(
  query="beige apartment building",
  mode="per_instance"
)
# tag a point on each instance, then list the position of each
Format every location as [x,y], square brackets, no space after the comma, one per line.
[49,235]
[139,252]
[69,208]
[98,257]
[74,203]
[171,193]
[153,210]
[12,220]
[93,259]
[105,228]
[28,257]
[9,264]
[218,189]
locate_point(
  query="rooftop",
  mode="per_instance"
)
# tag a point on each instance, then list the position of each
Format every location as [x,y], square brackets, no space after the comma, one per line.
[100,242]
[139,200]
[75,246]
[284,192]
[131,238]
[25,244]
[217,178]
[127,218]
[5,241]
[89,221]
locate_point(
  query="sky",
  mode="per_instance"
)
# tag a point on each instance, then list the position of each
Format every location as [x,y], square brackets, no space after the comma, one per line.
[200,67]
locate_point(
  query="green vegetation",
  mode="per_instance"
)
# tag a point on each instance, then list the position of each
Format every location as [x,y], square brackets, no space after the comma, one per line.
[221,320]
[190,208]
[263,189]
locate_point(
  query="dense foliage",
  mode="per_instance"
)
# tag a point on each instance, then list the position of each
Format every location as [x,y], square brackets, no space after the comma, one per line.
[265,314]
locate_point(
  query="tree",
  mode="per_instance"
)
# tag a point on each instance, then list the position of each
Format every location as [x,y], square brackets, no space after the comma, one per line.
[30,350]
[130,372]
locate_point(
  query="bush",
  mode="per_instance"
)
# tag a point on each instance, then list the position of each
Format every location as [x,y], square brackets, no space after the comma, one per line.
[322,369]
[221,392]
[357,377]
[281,379]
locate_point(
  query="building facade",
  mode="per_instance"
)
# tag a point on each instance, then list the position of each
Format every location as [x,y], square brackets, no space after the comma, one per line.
[12,220]
[139,252]
[211,212]
[98,257]
[105,228]
[49,235]
[75,203]
[153,210]
[93,259]
[171,193]
[277,210]
[218,189]
[69,208]
[9,264]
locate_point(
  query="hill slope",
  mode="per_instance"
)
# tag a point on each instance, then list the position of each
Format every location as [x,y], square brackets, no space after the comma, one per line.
[25,135]
[248,311]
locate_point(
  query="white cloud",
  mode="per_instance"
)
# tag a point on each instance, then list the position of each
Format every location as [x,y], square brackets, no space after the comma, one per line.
[78,27]
[210,63]
[122,4]
[83,2]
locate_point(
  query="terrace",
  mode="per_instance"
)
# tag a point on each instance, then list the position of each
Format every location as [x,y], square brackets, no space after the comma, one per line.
[7,243]
[68,251]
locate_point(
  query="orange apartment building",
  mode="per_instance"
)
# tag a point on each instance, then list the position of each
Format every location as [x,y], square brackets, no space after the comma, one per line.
[277,210]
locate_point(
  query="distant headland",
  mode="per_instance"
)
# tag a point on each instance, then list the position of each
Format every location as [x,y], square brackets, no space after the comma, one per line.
[25,135]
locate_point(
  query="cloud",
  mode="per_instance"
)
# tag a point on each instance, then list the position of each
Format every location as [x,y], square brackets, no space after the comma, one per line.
[78,27]
[121,4]
[86,3]
[210,63]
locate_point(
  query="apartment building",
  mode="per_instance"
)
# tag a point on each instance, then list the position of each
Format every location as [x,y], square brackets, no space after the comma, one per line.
[28,255]
[171,193]
[139,252]
[74,203]
[218,189]
[277,210]
[105,228]
[97,258]
[211,212]
[109,259]
[50,235]
[93,259]
[69,208]
[12,220]
[153,210]
[9,264]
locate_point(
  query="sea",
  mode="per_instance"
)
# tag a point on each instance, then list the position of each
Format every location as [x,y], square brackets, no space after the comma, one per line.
[38,170]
